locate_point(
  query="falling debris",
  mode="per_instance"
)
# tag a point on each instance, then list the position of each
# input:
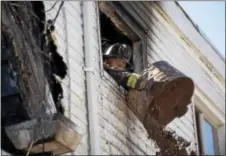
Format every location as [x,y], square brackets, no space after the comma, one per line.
[161,95]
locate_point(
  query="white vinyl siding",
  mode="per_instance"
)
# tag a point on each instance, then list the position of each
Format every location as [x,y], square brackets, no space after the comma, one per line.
[120,131]
[69,30]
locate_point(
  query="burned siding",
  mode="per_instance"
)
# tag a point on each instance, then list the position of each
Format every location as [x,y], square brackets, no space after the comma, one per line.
[120,130]
[70,45]
[116,119]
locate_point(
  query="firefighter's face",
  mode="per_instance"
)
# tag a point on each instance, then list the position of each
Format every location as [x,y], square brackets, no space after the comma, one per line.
[115,62]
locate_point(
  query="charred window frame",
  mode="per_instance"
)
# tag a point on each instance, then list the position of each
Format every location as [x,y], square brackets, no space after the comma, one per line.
[129,27]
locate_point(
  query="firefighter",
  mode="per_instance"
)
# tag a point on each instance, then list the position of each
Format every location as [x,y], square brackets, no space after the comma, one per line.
[117,63]
[117,58]
[161,91]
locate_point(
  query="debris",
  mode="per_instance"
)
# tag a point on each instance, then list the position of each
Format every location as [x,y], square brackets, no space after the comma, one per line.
[157,103]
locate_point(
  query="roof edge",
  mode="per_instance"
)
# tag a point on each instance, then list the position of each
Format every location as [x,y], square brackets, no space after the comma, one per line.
[199,30]
[186,29]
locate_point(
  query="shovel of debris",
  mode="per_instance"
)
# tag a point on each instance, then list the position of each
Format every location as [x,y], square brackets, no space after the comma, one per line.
[162,92]
[161,95]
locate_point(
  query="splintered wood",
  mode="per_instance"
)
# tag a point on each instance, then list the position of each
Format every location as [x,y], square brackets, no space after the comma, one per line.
[110,12]
[162,95]
[58,134]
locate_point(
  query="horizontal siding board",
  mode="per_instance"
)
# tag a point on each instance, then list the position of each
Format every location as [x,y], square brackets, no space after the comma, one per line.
[113,104]
[80,115]
[75,107]
[182,22]
[74,14]
[186,124]
[125,119]
[71,48]
[74,99]
[164,28]
[112,141]
[133,12]
[77,28]
[126,126]
[119,126]
[79,82]
[76,61]
[76,70]
[124,138]
[183,64]
[81,125]
[213,96]
[74,44]
[76,5]
[182,124]
[76,36]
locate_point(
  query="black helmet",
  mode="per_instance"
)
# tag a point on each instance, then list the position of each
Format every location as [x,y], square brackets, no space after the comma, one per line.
[118,50]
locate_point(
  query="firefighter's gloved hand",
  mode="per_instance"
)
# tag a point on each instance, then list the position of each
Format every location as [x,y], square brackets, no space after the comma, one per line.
[144,82]
[119,75]
[124,78]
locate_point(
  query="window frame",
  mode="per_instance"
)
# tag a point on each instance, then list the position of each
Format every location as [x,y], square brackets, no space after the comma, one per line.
[200,119]
[137,29]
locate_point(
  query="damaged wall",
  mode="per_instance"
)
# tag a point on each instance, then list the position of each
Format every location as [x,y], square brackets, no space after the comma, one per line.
[120,130]
[23,65]
[69,38]
[25,46]
[21,24]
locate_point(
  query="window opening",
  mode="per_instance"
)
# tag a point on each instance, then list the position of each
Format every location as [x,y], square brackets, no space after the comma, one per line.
[112,35]
[115,31]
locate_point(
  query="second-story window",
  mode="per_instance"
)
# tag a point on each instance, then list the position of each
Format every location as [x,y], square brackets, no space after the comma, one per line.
[120,31]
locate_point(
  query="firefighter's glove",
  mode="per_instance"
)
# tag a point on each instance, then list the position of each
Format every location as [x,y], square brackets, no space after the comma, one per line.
[144,82]
[120,76]
[124,78]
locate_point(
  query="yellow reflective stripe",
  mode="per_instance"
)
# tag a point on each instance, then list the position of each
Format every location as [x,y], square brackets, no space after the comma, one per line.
[133,80]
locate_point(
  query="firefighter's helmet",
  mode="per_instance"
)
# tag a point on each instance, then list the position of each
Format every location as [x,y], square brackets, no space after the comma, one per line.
[118,50]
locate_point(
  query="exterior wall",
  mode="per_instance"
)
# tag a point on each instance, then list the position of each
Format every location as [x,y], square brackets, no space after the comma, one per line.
[211,77]
[122,133]
[120,130]
[69,33]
